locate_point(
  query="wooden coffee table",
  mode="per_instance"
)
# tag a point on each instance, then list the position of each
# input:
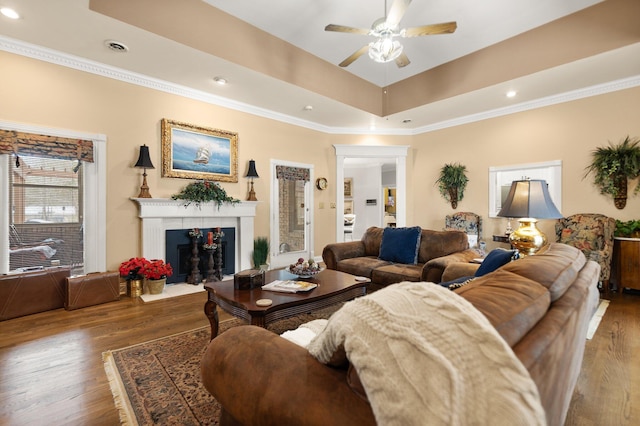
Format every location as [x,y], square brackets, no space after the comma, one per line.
[333,287]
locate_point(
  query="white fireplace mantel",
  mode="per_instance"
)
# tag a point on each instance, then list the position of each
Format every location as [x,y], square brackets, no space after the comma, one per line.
[162,214]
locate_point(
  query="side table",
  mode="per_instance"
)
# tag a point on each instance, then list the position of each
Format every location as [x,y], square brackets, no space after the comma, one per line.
[626,263]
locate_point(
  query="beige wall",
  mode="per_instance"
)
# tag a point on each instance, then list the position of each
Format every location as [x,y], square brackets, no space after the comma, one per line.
[48,95]
[567,132]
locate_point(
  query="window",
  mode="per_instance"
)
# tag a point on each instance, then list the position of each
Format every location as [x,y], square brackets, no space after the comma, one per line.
[45,217]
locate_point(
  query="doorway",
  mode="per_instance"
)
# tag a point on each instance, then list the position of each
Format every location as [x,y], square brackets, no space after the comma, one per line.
[291,213]
[396,154]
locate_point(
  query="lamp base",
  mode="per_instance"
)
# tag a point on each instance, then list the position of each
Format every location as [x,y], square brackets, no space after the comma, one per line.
[144,189]
[527,239]
[252,194]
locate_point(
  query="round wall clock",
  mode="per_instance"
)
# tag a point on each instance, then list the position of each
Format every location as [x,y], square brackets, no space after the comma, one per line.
[321,183]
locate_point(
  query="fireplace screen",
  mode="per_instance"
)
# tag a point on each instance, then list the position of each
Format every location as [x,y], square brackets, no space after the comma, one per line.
[179,253]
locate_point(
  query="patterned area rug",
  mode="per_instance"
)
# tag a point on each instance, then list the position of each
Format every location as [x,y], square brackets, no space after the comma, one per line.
[158,382]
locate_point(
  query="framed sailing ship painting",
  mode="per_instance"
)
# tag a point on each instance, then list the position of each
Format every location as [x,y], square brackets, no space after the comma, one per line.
[196,152]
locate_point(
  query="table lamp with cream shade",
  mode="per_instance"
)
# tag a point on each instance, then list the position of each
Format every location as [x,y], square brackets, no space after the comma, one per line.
[528,201]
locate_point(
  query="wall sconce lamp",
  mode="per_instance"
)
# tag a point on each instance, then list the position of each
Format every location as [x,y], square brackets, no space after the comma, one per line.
[529,200]
[252,174]
[144,161]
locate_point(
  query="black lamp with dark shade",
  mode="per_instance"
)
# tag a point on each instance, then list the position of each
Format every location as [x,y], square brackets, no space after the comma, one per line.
[529,200]
[144,162]
[252,174]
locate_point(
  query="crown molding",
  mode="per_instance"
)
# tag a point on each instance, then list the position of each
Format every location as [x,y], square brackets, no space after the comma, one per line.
[55,57]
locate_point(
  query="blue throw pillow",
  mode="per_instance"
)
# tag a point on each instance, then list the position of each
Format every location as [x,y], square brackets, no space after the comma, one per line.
[400,245]
[495,259]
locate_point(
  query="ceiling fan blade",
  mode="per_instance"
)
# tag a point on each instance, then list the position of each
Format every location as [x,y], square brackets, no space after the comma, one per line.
[345,29]
[444,28]
[398,8]
[355,56]
[402,60]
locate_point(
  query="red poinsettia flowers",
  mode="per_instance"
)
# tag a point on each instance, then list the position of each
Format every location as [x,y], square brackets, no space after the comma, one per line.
[137,268]
[157,269]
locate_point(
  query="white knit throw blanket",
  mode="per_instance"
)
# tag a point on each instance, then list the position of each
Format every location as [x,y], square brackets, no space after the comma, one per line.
[426,356]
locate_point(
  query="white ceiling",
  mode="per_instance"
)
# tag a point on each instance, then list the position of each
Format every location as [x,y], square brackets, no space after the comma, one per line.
[70,30]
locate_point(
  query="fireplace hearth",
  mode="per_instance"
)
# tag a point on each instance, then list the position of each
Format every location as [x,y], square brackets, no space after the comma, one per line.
[178,253]
[159,215]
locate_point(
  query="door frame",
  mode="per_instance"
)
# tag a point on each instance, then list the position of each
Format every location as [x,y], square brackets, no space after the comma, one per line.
[276,259]
[399,152]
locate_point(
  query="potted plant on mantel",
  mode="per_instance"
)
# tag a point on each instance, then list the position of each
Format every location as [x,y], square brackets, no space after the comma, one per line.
[613,165]
[204,191]
[452,183]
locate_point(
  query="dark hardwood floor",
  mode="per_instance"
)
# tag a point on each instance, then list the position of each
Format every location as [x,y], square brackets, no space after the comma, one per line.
[51,369]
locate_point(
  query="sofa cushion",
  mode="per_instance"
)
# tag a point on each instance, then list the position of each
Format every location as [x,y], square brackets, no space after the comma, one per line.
[435,244]
[494,260]
[513,304]
[361,266]
[400,245]
[395,273]
[556,268]
[371,240]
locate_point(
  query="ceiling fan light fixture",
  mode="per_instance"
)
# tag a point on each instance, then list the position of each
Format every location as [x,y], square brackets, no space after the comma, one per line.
[385,49]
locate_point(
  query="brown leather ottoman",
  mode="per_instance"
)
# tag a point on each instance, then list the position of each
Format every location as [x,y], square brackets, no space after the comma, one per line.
[92,289]
[28,293]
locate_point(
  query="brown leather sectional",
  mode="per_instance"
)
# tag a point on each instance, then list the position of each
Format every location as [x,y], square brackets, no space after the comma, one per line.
[541,305]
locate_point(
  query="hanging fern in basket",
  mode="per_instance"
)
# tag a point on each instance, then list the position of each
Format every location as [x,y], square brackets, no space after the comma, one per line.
[452,183]
[204,191]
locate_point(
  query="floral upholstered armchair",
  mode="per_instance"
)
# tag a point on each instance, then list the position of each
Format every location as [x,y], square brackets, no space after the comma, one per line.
[467,222]
[591,233]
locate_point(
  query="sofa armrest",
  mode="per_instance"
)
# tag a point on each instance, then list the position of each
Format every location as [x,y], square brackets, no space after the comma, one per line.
[432,270]
[457,270]
[261,378]
[334,253]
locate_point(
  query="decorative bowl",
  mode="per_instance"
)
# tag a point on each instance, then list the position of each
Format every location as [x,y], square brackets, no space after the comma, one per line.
[303,273]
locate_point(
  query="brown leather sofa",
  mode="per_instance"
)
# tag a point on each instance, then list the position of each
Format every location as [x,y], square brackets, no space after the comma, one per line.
[541,305]
[437,250]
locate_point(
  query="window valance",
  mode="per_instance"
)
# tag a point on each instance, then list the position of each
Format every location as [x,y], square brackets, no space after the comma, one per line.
[19,143]
[292,173]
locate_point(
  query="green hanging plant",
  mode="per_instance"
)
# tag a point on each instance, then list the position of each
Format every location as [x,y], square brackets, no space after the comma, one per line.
[204,191]
[613,165]
[452,183]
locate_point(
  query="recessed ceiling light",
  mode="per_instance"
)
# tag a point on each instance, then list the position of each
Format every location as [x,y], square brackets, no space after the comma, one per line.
[406,121]
[511,94]
[9,13]
[116,46]
[308,107]
[221,81]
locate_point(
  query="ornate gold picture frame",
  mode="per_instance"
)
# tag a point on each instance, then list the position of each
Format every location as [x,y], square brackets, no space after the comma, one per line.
[196,152]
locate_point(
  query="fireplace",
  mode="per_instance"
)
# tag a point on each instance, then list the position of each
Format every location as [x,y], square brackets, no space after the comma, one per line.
[179,253]
[159,215]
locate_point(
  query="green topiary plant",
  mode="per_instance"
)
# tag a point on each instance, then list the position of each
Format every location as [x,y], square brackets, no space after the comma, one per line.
[204,191]
[612,166]
[452,183]
[260,251]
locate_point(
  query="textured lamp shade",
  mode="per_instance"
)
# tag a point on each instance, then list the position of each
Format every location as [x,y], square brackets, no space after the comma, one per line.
[144,161]
[252,173]
[529,200]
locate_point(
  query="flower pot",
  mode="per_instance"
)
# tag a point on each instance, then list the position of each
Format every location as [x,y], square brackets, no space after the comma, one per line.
[156,286]
[134,288]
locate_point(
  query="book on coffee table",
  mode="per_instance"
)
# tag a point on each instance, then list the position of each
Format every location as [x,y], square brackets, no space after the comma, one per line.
[289,286]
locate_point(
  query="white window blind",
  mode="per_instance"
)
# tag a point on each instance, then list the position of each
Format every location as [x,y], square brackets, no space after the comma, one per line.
[45,213]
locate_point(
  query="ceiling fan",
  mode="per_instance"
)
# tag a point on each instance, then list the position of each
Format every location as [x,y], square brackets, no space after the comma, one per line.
[385,48]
